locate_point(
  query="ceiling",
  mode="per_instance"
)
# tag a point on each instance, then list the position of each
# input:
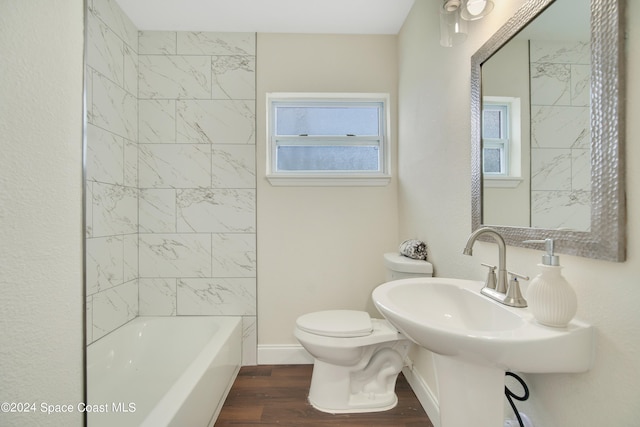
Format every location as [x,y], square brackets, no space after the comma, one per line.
[269,16]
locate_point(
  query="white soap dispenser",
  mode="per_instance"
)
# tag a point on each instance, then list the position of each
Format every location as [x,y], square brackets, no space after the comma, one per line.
[551,299]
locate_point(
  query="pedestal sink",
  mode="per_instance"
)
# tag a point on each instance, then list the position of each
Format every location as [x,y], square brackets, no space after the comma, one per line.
[475,341]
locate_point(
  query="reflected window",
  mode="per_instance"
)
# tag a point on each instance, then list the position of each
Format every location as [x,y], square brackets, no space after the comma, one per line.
[495,138]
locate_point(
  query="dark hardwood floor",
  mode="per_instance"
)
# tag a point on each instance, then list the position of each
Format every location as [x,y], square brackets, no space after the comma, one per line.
[276,395]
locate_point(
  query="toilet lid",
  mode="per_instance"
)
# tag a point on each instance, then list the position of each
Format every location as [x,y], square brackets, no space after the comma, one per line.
[336,323]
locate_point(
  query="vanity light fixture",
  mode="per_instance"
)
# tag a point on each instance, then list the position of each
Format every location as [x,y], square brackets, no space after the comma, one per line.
[453,17]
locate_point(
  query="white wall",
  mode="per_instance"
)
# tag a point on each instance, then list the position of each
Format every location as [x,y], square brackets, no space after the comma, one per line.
[508,76]
[41,307]
[434,191]
[320,247]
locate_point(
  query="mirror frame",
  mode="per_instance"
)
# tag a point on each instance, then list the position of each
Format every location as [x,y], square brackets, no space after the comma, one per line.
[607,238]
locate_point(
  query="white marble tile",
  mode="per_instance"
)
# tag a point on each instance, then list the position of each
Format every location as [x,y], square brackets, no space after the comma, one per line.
[174,77]
[88,324]
[249,341]
[130,70]
[217,211]
[560,52]
[114,109]
[561,209]
[105,156]
[234,255]
[550,84]
[112,15]
[157,121]
[233,77]
[157,297]
[157,43]
[581,169]
[217,296]
[88,213]
[581,85]
[130,163]
[115,210]
[560,127]
[216,121]
[114,307]
[175,255]
[157,210]
[175,165]
[214,43]
[88,87]
[550,169]
[233,166]
[130,257]
[105,264]
[105,50]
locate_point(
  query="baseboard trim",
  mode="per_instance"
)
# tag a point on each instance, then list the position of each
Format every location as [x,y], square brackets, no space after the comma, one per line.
[283,354]
[424,394]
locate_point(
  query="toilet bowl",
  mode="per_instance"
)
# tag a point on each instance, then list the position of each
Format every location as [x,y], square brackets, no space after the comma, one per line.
[357,359]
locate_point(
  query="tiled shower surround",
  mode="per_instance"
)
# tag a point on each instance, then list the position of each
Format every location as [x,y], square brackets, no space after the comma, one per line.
[560,154]
[171,191]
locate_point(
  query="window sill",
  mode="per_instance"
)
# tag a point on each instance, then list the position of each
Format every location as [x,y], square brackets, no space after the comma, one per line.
[502,181]
[300,180]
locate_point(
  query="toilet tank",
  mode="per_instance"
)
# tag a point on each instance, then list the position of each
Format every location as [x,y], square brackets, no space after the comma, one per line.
[402,267]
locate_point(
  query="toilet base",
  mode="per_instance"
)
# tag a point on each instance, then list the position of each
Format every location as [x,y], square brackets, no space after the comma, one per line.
[361,405]
[343,390]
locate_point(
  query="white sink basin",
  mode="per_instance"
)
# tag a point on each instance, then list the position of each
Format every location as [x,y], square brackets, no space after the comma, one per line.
[450,317]
[476,340]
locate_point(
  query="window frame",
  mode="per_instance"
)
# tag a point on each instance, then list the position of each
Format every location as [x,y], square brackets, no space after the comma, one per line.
[380,177]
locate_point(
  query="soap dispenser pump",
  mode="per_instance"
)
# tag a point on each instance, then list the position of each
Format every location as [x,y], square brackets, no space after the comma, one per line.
[552,300]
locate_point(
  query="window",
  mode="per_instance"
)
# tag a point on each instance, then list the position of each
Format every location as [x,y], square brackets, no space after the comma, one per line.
[501,141]
[327,139]
[495,139]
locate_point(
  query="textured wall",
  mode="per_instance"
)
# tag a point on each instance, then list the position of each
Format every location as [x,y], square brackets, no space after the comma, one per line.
[41,208]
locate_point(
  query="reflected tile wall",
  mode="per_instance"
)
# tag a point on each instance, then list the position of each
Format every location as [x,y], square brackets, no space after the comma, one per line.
[560,134]
[112,169]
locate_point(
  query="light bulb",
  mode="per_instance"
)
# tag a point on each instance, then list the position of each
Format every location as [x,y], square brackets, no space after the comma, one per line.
[476,9]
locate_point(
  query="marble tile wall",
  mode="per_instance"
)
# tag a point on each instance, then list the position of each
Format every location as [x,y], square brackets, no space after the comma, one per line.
[111,169]
[560,135]
[197,205]
[170,164]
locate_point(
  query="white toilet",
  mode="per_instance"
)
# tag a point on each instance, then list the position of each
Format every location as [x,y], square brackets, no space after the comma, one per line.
[357,358]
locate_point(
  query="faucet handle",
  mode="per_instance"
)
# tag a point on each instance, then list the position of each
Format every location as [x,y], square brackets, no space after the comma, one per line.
[491,276]
[514,297]
[516,275]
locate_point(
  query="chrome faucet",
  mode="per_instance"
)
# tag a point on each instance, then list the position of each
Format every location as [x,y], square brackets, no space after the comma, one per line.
[501,290]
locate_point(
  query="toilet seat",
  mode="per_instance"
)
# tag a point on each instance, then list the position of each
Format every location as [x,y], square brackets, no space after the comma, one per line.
[336,323]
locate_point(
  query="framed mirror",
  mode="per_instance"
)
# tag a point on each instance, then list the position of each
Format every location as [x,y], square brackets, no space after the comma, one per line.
[559,172]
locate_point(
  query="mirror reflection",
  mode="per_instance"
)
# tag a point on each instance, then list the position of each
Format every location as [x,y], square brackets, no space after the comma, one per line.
[536,135]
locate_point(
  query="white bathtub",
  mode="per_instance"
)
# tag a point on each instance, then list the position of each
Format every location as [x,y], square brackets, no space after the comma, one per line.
[163,371]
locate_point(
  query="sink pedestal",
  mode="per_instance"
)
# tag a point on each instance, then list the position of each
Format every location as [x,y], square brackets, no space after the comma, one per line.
[469,394]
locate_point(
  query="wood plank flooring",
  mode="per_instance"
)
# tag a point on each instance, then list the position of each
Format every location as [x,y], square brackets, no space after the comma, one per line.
[276,395]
